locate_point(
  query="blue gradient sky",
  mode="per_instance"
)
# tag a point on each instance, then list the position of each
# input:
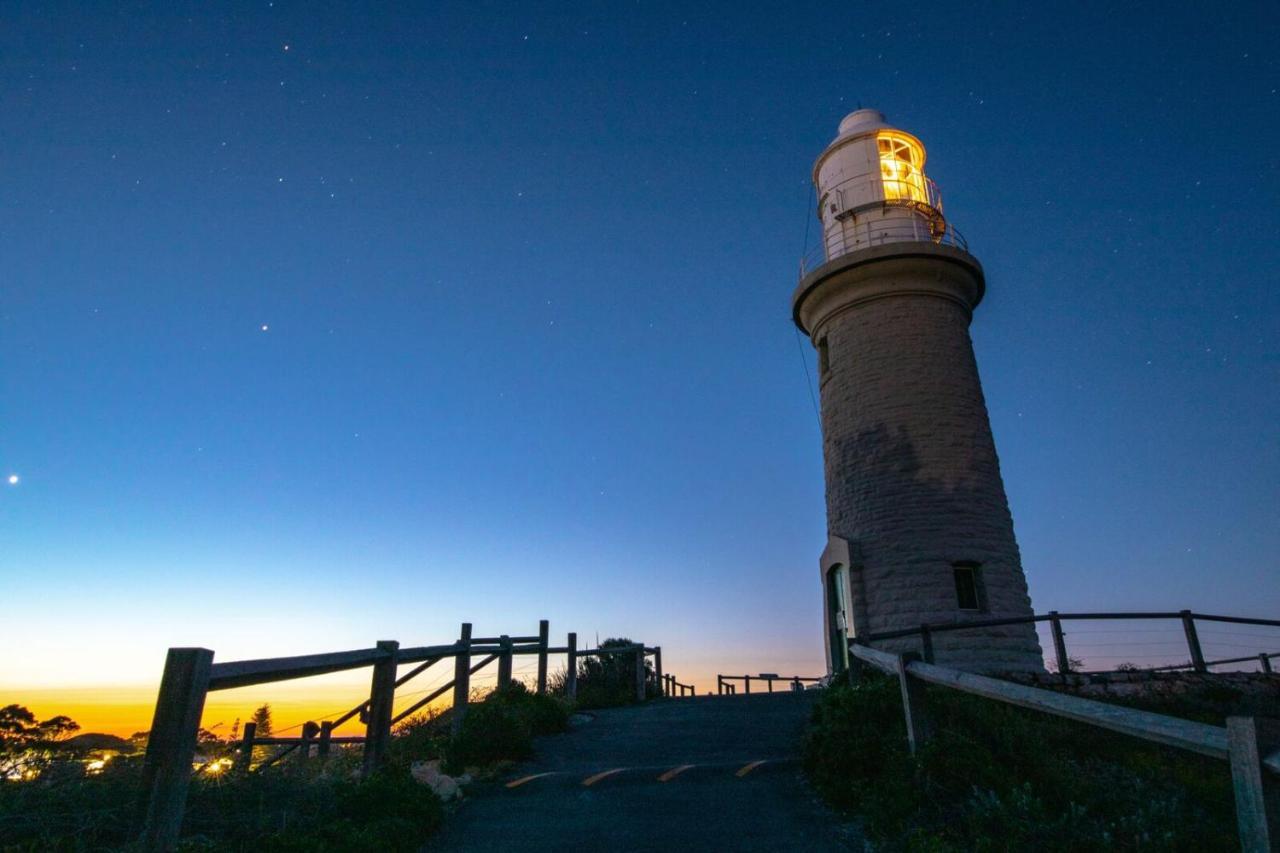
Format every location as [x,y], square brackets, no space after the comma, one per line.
[526,274]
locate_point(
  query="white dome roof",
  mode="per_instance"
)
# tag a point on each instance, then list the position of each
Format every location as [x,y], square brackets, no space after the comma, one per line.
[862,121]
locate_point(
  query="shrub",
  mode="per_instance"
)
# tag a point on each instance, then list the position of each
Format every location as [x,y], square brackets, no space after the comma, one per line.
[502,727]
[280,809]
[277,811]
[995,777]
[544,713]
[607,681]
[419,738]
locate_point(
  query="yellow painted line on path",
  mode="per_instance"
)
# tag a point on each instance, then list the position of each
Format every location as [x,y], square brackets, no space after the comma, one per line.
[591,780]
[674,772]
[516,783]
[749,767]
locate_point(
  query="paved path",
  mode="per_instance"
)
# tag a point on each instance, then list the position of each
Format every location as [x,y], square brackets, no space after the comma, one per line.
[706,773]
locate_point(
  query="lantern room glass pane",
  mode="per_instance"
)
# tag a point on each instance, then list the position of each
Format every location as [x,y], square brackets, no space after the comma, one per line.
[901,161]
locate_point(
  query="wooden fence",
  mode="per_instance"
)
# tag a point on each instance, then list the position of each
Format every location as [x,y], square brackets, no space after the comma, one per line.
[1250,744]
[190,674]
[725,685]
[674,689]
[1196,661]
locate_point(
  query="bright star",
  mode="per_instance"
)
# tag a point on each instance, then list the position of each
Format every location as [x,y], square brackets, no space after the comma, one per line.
[265,327]
[13,479]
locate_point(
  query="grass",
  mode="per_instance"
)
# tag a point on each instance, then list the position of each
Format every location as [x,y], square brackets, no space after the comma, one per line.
[999,778]
[293,806]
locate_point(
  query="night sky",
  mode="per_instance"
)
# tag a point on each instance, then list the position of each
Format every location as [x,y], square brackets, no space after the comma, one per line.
[325,325]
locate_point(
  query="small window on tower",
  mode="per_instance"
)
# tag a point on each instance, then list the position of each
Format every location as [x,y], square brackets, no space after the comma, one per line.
[968,586]
[824,358]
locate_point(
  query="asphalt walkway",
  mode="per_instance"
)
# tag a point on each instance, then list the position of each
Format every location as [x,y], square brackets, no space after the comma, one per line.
[705,773]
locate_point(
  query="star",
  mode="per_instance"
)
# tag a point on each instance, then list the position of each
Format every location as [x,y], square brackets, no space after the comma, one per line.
[13,479]
[264,327]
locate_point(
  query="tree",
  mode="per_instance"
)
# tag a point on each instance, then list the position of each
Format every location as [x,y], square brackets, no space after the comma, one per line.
[262,719]
[26,746]
[605,680]
[18,726]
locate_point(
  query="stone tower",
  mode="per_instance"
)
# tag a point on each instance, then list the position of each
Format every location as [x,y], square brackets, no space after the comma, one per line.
[919,530]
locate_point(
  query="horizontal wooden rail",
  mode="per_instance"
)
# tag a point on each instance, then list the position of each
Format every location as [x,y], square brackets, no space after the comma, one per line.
[244,673]
[285,741]
[766,677]
[1064,664]
[1237,620]
[1250,745]
[936,627]
[415,654]
[1189,665]
[223,676]
[1170,731]
[725,687]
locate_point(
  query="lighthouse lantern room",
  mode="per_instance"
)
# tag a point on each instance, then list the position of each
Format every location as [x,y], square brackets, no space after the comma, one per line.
[872,189]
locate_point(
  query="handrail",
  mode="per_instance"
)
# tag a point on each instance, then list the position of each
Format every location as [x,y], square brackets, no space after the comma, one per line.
[857,235]
[1190,665]
[936,627]
[1159,728]
[223,676]
[723,686]
[1188,619]
[1250,745]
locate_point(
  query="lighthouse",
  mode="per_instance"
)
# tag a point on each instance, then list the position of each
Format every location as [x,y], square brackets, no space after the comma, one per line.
[918,524]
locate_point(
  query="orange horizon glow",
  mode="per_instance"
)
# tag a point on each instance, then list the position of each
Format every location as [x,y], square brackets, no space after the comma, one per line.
[124,710]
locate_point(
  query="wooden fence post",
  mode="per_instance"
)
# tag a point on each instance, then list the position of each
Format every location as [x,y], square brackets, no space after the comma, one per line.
[309,732]
[326,735]
[657,669]
[171,746]
[461,677]
[1250,739]
[544,634]
[1265,660]
[571,664]
[640,673]
[504,661]
[746,684]
[854,665]
[1059,645]
[382,695]
[926,643]
[914,707]
[720,685]
[245,755]
[1193,642]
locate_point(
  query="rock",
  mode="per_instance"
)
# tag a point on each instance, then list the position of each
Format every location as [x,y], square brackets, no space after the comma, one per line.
[446,788]
[428,773]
